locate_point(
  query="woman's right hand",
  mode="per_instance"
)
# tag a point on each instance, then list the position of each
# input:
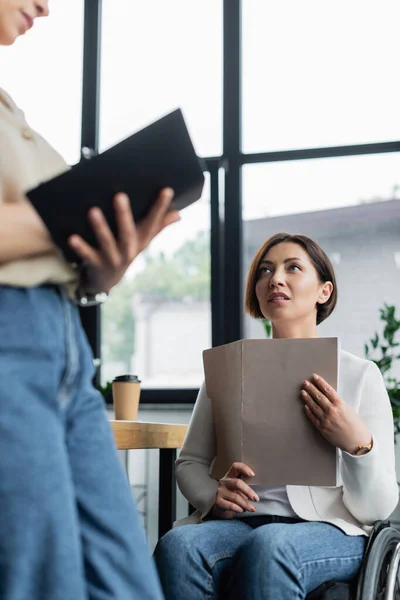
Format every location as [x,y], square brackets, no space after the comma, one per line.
[233,493]
[107,264]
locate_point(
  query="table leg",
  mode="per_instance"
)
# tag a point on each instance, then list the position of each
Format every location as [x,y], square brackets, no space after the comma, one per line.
[167,491]
[126,461]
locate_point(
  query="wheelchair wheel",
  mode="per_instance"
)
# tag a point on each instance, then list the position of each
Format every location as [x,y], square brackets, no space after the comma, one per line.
[380,578]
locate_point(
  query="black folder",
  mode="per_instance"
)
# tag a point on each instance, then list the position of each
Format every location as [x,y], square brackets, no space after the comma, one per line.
[160,155]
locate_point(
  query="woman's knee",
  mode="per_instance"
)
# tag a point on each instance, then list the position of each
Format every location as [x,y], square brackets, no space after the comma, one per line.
[272,542]
[176,541]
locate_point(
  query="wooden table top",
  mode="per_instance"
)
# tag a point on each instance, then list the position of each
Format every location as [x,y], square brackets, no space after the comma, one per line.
[134,435]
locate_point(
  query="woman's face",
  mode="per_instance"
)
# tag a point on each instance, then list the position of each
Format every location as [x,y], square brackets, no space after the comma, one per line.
[18,16]
[288,286]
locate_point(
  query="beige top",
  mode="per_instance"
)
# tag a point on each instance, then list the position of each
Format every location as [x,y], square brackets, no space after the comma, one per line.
[26,160]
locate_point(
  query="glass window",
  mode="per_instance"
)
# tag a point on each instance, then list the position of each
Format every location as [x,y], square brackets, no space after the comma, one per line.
[158,319]
[158,56]
[351,206]
[318,74]
[43,74]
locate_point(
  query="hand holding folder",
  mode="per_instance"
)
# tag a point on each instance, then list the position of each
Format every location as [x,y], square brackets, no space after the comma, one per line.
[159,156]
[233,493]
[254,387]
[106,266]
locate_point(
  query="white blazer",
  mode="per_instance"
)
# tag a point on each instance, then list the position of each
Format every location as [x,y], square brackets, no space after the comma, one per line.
[369,489]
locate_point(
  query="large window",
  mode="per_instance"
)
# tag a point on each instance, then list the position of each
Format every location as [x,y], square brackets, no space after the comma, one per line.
[43,74]
[351,206]
[157,56]
[324,77]
[319,74]
[304,186]
[158,320]
[310,117]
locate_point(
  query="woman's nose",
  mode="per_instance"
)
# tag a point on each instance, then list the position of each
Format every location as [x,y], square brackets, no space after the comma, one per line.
[42,8]
[276,279]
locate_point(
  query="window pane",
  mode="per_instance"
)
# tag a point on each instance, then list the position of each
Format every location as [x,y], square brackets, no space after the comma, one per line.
[351,206]
[319,74]
[158,320]
[43,74]
[158,56]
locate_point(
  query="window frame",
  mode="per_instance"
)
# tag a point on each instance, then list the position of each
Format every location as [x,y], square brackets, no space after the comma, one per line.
[226,242]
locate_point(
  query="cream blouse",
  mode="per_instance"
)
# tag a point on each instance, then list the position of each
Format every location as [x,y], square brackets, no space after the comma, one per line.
[26,160]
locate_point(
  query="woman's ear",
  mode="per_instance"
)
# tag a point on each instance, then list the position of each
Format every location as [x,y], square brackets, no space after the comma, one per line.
[325,292]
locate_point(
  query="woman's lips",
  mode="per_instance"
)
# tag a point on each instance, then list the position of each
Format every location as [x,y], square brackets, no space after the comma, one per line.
[28,21]
[278,300]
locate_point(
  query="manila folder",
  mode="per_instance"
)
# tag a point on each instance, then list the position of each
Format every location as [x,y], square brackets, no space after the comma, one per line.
[259,418]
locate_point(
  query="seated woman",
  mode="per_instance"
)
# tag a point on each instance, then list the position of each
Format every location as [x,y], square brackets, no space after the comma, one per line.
[283,542]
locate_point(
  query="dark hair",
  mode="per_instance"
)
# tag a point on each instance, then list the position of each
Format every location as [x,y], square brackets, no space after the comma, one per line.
[319,259]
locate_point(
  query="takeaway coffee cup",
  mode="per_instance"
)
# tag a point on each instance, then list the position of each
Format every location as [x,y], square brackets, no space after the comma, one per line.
[126,395]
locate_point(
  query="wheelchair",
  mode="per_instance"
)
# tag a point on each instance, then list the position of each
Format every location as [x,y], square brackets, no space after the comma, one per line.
[379,574]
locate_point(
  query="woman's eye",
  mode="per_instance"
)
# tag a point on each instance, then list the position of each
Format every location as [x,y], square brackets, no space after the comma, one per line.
[294,268]
[265,270]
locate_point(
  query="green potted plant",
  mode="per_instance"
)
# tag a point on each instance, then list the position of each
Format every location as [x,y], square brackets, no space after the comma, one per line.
[106,391]
[384,351]
[267,326]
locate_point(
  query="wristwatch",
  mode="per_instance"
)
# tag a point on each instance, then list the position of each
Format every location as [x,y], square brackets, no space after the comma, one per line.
[363,450]
[82,298]
[86,300]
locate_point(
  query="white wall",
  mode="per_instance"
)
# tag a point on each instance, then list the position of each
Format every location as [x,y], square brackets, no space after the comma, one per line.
[170,338]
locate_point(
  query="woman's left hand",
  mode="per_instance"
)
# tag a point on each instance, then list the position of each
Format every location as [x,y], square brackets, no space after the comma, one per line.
[334,418]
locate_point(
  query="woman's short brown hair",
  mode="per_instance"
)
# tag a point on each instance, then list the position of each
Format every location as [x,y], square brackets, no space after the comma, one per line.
[319,259]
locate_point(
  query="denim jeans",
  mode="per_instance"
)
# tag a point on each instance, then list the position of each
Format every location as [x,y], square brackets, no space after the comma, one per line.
[232,560]
[69,529]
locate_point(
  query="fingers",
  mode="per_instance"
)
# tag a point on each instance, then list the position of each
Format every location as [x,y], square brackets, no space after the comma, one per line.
[127,235]
[325,388]
[238,485]
[172,216]
[105,237]
[311,406]
[232,500]
[232,506]
[313,418]
[239,468]
[89,255]
[233,493]
[106,240]
[157,219]
[318,397]
[222,504]
[131,239]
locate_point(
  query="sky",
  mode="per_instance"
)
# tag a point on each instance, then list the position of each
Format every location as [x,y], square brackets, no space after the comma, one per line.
[315,73]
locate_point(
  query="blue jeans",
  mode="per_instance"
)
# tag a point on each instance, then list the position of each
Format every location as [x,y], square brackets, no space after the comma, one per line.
[230,559]
[69,529]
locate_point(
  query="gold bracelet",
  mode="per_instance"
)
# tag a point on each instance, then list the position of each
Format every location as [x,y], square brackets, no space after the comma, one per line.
[363,450]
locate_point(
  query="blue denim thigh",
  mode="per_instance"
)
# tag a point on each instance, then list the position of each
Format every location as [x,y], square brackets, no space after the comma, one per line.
[40,546]
[288,561]
[117,558]
[194,561]
[68,526]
